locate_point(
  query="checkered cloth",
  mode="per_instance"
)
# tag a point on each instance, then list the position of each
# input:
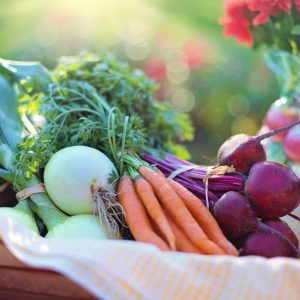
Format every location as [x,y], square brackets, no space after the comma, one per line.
[130,270]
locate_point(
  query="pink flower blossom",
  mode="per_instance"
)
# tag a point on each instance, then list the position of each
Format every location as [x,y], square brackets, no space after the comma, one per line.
[240,15]
[297,3]
[237,21]
[267,8]
[156,69]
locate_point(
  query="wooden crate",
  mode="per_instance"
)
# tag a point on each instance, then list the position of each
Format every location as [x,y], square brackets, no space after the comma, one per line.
[19,281]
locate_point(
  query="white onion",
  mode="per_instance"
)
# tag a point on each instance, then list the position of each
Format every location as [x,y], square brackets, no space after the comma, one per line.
[78,227]
[77,179]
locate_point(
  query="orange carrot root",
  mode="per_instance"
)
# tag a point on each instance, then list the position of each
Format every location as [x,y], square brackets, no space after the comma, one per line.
[179,212]
[154,209]
[136,215]
[182,241]
[204,218]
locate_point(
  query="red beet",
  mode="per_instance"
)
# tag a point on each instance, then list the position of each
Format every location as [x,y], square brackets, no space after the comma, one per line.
[267,245]
[280,114]
[243,151]
[292,144]
[235,215]
[273,189]
[283,228]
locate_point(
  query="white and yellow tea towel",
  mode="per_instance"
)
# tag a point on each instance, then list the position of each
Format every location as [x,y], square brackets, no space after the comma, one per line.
[130,270]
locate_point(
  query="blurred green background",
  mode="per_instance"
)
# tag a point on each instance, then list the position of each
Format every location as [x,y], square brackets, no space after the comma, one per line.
[225,87]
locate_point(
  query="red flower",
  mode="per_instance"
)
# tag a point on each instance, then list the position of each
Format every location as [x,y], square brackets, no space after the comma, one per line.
[267,8]
[156,69]
[241,14]
[237,21]
[297,3]
[193,54]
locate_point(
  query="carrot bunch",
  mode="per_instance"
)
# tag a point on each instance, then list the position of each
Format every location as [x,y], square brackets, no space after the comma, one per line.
[162,212]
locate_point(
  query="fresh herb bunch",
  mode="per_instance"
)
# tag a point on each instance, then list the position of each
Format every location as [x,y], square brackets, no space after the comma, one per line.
[76,115]
[97,102]
[134,94]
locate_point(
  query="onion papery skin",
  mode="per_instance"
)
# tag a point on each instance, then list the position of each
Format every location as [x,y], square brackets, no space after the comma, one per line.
[79,226]
[74,175]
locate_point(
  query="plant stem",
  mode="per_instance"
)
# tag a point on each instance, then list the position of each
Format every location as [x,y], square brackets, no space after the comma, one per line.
[295,217]
[133,173]
[44,207]
[276,131]
[134,161]
[24,206]
[6,175]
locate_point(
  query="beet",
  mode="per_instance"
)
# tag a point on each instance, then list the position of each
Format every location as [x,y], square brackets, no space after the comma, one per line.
[273,189]
[283,228]
[235,215]
[267,245]
[243,151]
[292,144]
[280,114]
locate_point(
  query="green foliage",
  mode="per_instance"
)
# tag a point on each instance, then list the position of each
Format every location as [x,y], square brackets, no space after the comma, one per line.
[132,92]
[32,76]
[286,67]
[10,123]
[232,69]
[98,102]
[275,152]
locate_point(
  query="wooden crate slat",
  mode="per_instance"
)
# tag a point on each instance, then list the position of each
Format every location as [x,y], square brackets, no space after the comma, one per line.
[13,295]
[16,277]
[52,284]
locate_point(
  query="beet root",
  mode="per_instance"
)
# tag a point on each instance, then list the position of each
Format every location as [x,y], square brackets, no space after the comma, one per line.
[292,144]
[235,215]
[273,189]
[284,229]
[242,152]
[280,114]
[267,245]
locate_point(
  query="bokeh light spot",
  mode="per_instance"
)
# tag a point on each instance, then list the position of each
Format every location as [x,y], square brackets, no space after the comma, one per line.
[183,100]
[238,105]
[245,125]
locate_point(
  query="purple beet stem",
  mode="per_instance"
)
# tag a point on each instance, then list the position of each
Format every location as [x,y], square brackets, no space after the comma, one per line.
[193,179]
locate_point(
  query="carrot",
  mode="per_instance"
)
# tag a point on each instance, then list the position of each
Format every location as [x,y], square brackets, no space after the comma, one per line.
[177,209]
[204,218]
[154,209]
[182,241]
[136,215]
[183,244]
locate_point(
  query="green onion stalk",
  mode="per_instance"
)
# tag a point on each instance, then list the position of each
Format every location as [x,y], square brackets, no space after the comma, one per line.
[58,223]
[43,207]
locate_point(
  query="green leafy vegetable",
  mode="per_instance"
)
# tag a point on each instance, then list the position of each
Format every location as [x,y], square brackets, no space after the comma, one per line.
[10,123]
[132,92]
[96,101]
[32,76]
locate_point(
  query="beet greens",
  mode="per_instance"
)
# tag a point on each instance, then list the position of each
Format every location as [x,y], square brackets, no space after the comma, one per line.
[193,177]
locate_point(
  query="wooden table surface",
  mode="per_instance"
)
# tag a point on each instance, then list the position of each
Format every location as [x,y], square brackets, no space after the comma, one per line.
[19,281]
